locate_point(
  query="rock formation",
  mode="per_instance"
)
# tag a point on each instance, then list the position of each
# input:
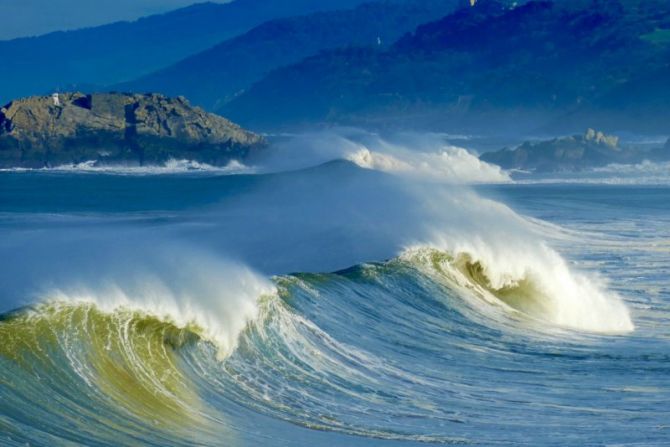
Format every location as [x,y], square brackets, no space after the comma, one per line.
[571,153]
[116,128]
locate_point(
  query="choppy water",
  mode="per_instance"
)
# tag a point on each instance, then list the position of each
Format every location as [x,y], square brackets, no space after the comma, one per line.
[333,305]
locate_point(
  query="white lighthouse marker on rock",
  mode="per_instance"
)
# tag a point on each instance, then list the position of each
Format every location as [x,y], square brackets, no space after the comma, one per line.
[56,99]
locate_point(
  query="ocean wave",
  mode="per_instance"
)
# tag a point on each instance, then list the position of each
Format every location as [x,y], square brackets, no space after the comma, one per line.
[448,164]
[152,341]
[173,351]
[539,285]
[213,297]
[425,157]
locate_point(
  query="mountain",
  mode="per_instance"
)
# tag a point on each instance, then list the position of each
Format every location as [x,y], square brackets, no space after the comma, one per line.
[494,66]
[126,50]
[38,17]
[113,128]
[574,153]
[215,76]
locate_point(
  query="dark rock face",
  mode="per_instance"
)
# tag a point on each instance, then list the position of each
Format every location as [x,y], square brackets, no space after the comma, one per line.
[116,128]
[577,152]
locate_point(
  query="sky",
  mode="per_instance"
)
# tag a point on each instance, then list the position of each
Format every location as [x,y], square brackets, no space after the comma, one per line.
[19,18]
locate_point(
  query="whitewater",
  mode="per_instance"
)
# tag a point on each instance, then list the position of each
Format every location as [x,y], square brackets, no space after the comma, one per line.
[341,289]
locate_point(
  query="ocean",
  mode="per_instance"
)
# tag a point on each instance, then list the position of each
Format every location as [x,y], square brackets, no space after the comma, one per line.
[341,292]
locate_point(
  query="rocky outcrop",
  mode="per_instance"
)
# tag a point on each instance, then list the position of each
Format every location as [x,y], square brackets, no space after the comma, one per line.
[116,128]
[592,149]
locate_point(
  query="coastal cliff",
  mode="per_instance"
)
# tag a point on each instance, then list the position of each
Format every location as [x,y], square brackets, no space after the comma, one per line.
[116,128]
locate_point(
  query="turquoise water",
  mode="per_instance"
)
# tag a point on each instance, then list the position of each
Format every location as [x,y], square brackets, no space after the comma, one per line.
[332,305]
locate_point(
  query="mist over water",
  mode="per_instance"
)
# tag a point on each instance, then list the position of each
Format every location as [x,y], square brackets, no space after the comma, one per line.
[344,282]
[414,155]
[336,215]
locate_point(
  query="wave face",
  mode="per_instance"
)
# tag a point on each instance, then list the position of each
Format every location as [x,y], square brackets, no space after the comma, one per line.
[66,368]
[168,312]
[543,289]
[119,365]
[411,155]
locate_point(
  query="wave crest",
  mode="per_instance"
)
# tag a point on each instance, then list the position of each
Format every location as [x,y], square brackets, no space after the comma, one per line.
[447,163]
[197,291]
[416,156]
[540,286]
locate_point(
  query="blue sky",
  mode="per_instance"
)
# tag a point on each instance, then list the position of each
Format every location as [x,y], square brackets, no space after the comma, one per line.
[33,17]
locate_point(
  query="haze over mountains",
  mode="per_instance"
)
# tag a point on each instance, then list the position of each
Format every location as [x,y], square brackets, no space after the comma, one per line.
[212,78]
[533,66]
[26,18]
[500,66]
[94,57]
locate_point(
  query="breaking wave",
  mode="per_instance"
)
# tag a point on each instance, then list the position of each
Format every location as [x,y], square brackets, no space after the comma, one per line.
[447,164]
[176,348]
[538,285]
[172,166]
[451,300]
[426,156]
[212,297]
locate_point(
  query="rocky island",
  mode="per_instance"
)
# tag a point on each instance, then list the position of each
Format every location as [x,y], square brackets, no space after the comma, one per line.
[573,153]
[116,128]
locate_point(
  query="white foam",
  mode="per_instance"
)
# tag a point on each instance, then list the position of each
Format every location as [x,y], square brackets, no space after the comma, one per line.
[510,251]
[419,156]
[644,173]
[218,297]
[448,163]
[172,166]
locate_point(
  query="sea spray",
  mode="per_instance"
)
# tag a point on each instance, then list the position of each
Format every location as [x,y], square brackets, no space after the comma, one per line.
[419,157]
[520,270]
[213,297]
[323,219]
[447,164]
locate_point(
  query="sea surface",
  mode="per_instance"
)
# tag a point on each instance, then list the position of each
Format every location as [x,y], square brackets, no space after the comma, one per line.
[352,297]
